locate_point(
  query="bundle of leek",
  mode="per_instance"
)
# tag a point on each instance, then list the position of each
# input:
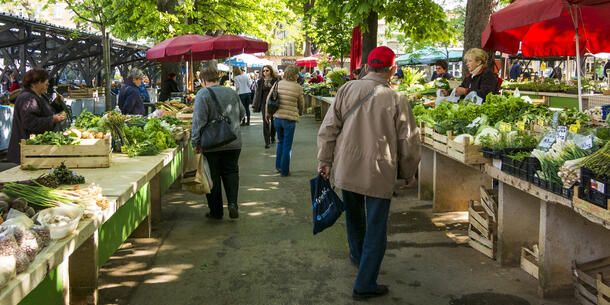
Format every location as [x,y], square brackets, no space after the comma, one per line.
[39,196]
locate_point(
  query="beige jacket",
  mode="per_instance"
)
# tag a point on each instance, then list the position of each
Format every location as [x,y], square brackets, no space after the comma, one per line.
[291,100]
[366,150]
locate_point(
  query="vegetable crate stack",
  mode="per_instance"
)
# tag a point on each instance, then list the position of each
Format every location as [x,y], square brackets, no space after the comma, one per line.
[74,148]
[483,225]
[591,282]
[460,148]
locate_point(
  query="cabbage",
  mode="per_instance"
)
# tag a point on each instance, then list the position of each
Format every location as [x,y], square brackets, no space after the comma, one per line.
[460,138]
[489,131]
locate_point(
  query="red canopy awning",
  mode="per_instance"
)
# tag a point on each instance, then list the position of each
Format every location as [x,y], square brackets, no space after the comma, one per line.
[173,49]
[547,28]
[228,45]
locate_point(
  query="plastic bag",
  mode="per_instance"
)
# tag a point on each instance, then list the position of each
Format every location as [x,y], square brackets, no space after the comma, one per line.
[196,178]
[472,96]
[451,98]
[327,206]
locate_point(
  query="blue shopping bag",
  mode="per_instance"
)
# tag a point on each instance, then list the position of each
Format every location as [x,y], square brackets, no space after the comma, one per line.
[327,206]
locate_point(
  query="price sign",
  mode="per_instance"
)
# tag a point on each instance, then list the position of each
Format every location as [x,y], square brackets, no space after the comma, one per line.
[541,121]
[574,128]
[562,133]
[521,125]
[587,143]
[505,127]
[474,122]
[548,141]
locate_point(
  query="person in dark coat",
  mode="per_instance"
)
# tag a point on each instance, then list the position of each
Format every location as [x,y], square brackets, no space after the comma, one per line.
[33,112]
[263,87]
[168,86]
[515,70]
[442,66]
[130,101]
[481,79]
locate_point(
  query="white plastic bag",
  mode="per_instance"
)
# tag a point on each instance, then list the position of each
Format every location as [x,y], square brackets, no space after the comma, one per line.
[62,229]
[451,98]
[472,96]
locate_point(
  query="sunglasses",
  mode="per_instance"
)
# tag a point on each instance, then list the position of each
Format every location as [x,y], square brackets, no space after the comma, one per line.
[265,70]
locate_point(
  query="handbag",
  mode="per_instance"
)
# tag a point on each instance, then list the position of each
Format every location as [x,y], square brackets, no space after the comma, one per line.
[327,206]
[273,101]
[217,132]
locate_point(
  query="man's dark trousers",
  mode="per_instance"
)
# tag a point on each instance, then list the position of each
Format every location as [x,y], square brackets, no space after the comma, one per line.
[223,167]
[366,235]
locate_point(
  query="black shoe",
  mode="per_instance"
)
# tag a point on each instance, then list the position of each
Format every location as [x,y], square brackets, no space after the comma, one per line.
[233,213]
[208,215]
[381,291]
[287,175]
[267,145]
[272,141]
[278,170]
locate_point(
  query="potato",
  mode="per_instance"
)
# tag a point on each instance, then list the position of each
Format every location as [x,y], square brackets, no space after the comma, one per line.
[99,135]
[85,135]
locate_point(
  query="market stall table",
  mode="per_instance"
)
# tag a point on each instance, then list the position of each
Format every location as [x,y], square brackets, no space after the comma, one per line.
[528,214]
[135,186]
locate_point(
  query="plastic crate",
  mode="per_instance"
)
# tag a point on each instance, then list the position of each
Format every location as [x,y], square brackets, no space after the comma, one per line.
[517,168]
[594,188]
[491,153]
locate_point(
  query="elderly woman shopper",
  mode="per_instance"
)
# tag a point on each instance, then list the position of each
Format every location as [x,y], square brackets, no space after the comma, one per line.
[481,79]
[441,70]
[130,101]
[223,160]
[285,118]
[33,113]
[263,87]
[242,85]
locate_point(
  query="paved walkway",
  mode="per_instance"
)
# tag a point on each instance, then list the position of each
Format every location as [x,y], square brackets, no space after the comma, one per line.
[269,255]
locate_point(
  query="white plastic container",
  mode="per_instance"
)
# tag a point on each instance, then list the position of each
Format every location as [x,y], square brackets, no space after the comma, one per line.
[59,231]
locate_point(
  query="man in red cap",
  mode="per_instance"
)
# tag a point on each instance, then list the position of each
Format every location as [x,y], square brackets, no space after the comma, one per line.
[367,135]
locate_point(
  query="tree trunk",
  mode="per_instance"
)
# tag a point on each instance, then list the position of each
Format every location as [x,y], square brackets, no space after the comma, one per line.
[369,38]
[107,69]
[307,6]
[477,17]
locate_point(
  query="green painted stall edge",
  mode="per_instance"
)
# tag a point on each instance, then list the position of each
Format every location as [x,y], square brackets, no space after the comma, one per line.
[126,219]
[49,291]
[171,172]
[563,102]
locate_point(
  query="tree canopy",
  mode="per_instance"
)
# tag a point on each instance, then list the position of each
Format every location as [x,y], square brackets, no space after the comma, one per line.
[333,36]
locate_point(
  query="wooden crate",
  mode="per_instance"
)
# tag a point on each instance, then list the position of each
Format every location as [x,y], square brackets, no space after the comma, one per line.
[589,207]
[184,116]
[465,152]
[440,141]
[429,136]
[489,201]
[530,260]
[90,153]
[585,278]
[603,291]
[482,230]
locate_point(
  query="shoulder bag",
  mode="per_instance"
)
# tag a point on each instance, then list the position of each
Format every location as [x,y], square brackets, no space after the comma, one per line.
[273,101]
[362,101]
[217,132]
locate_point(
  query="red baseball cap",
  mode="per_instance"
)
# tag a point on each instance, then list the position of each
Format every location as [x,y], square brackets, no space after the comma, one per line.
[381,57]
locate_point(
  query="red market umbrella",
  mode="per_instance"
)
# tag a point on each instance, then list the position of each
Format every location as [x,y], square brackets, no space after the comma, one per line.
[549,28]
[307,62]
[356,50]
[173,49]
[227,45]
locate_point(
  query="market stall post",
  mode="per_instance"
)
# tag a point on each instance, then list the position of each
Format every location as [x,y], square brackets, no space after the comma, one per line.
[518,221]
[566,236]
[425,189]
[155,199]
[455,184]
[83,272]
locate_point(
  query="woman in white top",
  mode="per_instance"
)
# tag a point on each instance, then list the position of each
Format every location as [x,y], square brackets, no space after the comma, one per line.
[242,86]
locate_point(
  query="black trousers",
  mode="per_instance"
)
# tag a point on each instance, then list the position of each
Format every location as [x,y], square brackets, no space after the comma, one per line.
[223,167]
[268,129]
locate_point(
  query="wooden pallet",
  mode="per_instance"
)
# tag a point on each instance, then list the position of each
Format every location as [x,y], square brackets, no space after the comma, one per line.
[465,152]
[489,201]
[590,208]
[589,288]
[530,260]
[481,230]
[90,153]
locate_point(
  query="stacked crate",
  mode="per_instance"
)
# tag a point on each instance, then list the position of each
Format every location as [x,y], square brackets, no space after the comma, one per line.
[483,225]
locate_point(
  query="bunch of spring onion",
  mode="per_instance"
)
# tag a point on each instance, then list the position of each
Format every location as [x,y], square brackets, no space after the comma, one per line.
[599,162]
[39,196]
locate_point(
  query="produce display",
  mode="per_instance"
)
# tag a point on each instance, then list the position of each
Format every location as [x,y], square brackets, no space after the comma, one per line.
[533,142]
[171,106]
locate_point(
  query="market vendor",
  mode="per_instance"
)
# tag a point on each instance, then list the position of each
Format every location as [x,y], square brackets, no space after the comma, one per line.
[316,78]
[130,101]
[481,79]
[441,70]
[34,113]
